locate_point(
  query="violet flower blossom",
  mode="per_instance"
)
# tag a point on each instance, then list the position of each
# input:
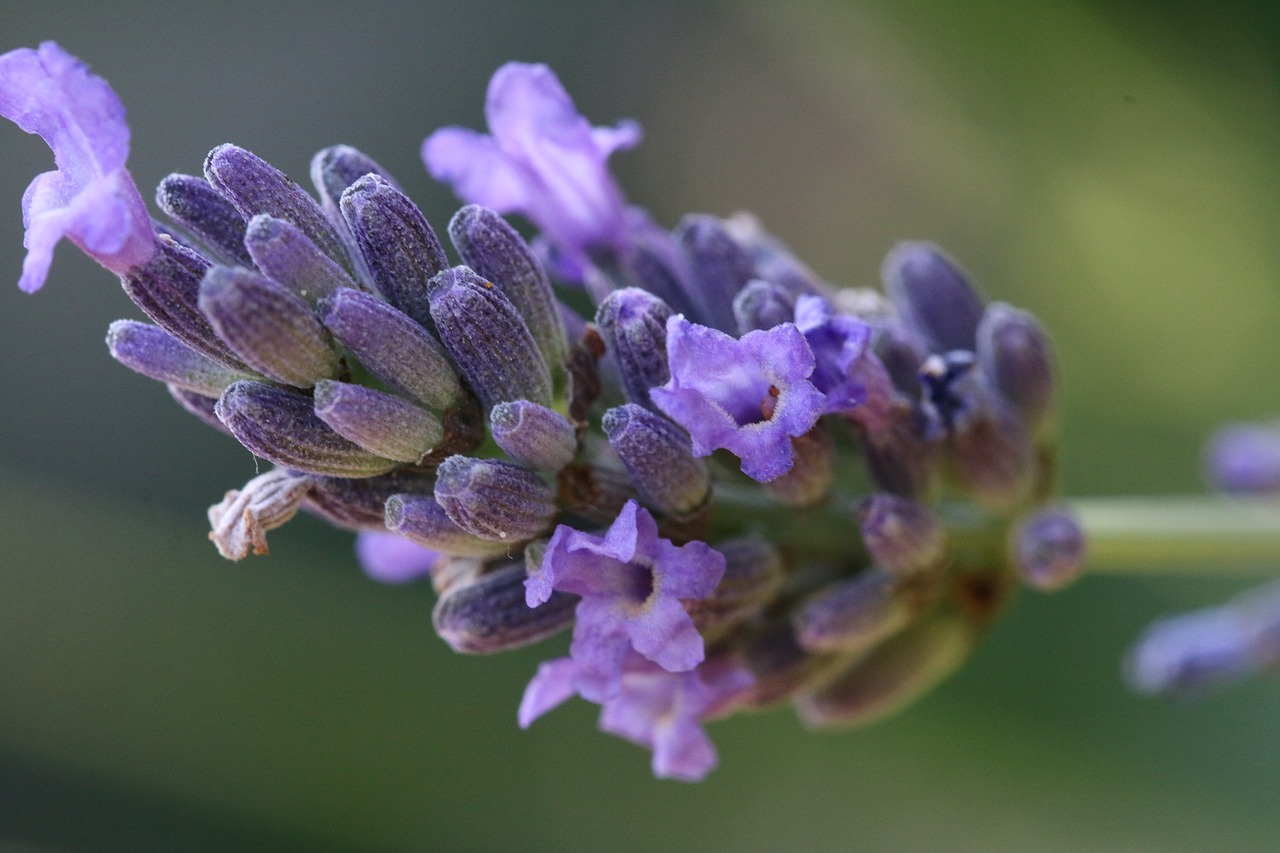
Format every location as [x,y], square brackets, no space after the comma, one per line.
[90,198]
[653,708]
[748,395]
[631,582]
[542,158]
[837,342]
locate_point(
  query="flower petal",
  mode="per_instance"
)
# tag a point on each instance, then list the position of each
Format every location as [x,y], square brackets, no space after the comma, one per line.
[478,171]
[90,199]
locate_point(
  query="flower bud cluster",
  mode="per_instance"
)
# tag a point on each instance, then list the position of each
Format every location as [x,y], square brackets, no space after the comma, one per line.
[735,485]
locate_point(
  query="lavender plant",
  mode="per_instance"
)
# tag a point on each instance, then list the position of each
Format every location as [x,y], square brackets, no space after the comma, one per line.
[734,483]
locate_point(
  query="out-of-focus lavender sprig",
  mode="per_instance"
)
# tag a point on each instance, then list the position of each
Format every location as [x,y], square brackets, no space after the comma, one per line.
[734,485]
[1204,649]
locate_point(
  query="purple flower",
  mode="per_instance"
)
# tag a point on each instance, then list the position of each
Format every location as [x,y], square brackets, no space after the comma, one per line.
[392,559]
[90,198]
[654,708]
[749,395]
[838,341]
[631,582]
[664,711]
[542,159]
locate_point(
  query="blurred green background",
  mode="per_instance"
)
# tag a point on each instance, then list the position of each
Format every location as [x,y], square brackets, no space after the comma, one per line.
[1110,166]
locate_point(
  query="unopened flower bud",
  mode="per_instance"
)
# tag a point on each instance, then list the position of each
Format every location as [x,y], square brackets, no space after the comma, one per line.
[498,253]
[392,346]
[155,353]
[901,351]
[900,535]
[488,340]
[899,457]
[533,435]
[752,577]
[489,614]
[853,615]
[654,262]
[659,457]
[988,447]
[781,666]
[254,186]
[772,260]
[1050,549]
[361,504]
[494,500]
[720,269]
[595,493]
[337,167]
[812,470]
[763,305]
[891,676]
[207,214]
[199,405]
[379,422]
[1015,353]
[240,523]
[266,325]
[278,424]
[288,257]
[167,289]
[932,295]
[634,326]
[397,244]
[421,519]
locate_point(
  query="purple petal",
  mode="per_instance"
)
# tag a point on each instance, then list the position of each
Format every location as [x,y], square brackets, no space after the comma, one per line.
[543,159]
[666,636]
[838,342]
[627,134]
[683,752]
[392,559]
[90,199]
[664,711]
[749,396]
[551,686]
[478,171]
[692,570]
[600,643]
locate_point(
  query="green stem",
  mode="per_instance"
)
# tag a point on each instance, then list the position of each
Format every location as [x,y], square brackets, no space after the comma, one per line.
[1162,535]
[1181,535]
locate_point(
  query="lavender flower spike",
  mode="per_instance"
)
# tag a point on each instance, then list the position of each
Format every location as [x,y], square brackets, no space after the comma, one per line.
[749,396]
[631,583]
[90,198]
[542,159]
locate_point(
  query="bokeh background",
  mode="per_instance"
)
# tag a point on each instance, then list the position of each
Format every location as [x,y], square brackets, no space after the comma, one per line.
[1111,166]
